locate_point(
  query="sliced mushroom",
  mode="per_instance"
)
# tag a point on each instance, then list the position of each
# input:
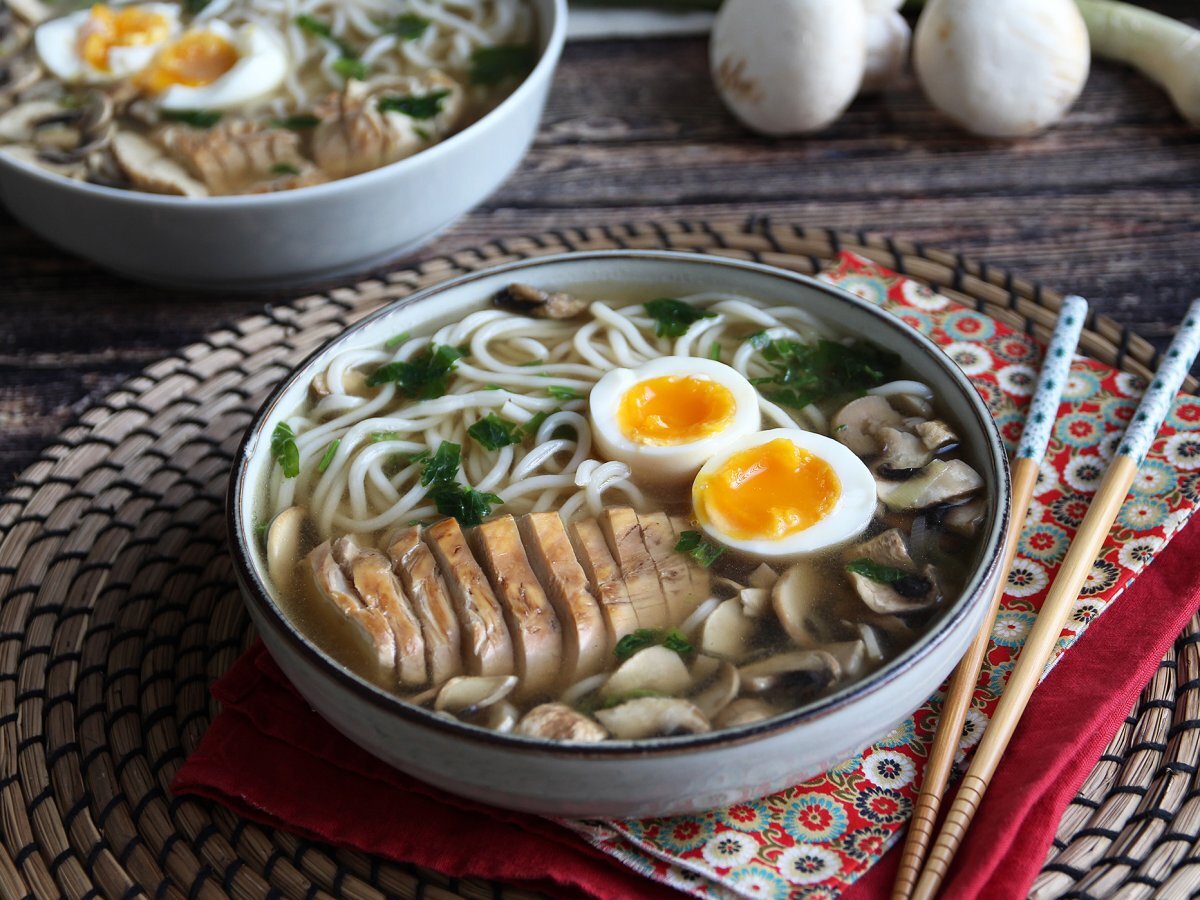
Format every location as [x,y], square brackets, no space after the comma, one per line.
[501,717]
[965,518]
[18,73]
[60,134]
[816,666]
[857,423]
[721,690]
[794,599]
[148,168]
[467,693]
[728,631]
[886,549]
[763,577]
[938,483]
[755,601]
[32,12]
[937,435]
[704,668]
[652,669]
[540,304]
[558,722]
[903,454]
[653,716]
[287,542]
[744,711]
[850,656]
[912,593]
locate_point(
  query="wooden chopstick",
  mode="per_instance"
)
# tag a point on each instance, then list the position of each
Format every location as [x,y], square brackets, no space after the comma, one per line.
[1074,571]
[1043,410]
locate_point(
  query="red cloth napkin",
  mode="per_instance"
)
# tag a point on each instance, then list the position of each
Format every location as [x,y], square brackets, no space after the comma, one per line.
[271,759]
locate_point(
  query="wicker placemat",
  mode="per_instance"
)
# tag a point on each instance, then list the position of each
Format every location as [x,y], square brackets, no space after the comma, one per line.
[118,608]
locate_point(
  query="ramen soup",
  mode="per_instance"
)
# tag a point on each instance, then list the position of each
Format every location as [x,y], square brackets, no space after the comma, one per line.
[213,97]
[587,520]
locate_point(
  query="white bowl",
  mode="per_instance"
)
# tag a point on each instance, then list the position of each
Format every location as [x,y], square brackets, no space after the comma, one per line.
[295,237]
[624,778]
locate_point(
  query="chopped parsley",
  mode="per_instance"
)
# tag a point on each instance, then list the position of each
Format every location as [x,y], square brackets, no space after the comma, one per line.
[442,466]
[328,457]
[297,122]
[906,584]
[694,545]
[196,118]
[491,65]
[672,318]
[493,432]
[561,392]
[423,377]
[535,423]
[284,169]
[422,133]
[284,450]
[423,106]
[395,341]
[194,7]
[349,65]
[407,26]
[806,373]
[642,638]
[466,504]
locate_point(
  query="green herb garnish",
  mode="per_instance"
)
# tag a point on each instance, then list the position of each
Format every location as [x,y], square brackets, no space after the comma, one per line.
[395,341]
[407,26]
[284,450]
[328,457]
[194,7]
[650,637]
[197,118]
[349,66]
[377,436]
[493,432]
[714,351]
[492,387]
[561,392]
[806,373]
[284,169]
[535,423]
[423,377]
[296,123]
[466,504]
[442,466]
[906,584]
[672,318]
[422,133]
[425,106]
[694,545]
[491,65]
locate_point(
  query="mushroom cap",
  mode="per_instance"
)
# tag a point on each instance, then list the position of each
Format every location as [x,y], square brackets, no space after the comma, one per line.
[788,66]
[652,716]
[1002,68]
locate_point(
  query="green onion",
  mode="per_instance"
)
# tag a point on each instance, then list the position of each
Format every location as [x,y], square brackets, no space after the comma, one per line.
[328,457]
[284,169]
[424,106]
[297,122]
[672,318]
[393,342]
[561,392]
[491,65]
[714,351]
[197,118]
[407,26]
[693,544]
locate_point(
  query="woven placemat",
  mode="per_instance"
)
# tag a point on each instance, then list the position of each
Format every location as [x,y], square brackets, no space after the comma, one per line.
[118,608]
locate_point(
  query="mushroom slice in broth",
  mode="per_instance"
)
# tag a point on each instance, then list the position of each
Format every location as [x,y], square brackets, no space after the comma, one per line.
[721,690]
[288,540]
[806,667]
[939,483]
[467,693]
[728,632]
[653,717]
[654,669]
[858,422]
[558,722]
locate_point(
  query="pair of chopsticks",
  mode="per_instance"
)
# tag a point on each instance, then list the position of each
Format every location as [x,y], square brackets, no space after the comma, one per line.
[911,880]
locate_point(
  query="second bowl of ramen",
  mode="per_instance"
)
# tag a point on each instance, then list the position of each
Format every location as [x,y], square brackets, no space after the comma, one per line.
[236,144]
[620,533]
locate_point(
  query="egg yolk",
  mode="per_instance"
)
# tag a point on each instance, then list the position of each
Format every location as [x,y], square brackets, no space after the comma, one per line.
[127,27]
[672,410]
[768,492]
[198,58]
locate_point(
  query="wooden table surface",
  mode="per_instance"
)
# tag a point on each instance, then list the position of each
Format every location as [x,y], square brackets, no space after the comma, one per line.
[1107,204]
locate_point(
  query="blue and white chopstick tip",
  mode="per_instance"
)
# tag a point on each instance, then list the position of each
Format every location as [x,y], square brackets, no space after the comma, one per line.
[1056,366]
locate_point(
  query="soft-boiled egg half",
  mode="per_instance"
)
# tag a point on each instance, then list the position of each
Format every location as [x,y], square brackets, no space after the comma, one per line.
[666,417]
[783,493]
[215,66]
[101,44]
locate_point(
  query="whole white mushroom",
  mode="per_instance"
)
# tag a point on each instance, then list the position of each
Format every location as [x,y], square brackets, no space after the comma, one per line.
[1002,68]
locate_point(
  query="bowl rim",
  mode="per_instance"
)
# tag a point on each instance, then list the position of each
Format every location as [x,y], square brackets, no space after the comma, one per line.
[255,592]
[555,39]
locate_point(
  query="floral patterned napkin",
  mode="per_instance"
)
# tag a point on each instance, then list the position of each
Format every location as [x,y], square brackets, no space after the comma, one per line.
[815,839]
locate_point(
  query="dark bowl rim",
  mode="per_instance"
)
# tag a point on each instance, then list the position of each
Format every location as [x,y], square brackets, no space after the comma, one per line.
[553,40]
[256,595]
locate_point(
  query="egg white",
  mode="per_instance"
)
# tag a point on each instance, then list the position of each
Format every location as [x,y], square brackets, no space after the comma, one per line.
[57,44]
[664,465]
[850,516]
[261,67]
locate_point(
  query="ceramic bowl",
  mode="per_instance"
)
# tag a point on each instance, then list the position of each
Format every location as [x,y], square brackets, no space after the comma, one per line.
[622,778]
[290,238]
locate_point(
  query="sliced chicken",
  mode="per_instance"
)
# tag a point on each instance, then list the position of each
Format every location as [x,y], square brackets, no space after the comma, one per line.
[487,646]
[371,574]
[674,569]
[605,577]
[532,623]
[623,533]
[586,645]
[364,630]
[701,578]
[418,572]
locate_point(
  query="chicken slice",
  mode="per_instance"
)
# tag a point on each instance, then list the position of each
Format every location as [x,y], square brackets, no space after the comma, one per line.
[586,646]
[535,631]
[414,565]
[674,569]
[699,575]
[371,574]
[623,533]
[487,646]
[605,577]
[364,630]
